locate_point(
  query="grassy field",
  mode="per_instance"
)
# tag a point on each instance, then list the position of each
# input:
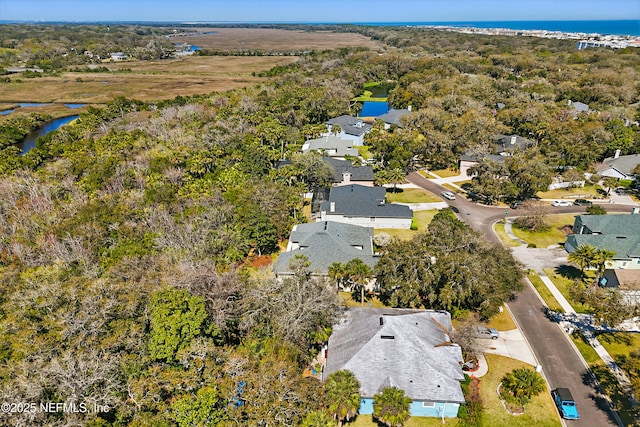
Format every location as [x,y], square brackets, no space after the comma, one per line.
[540,412]
[620,344]
[266,39]
[189,75]
[412,195]
[148,80]
[554,236]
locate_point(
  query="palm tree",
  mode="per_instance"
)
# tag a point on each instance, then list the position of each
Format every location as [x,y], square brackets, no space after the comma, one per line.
[600,260]
[522,384]
[343,395]
[337,273]
[391,407]
[584,256]
[395,177]
[317,419]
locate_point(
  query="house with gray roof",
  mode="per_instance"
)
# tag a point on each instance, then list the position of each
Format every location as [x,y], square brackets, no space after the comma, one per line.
[364,206]
[345,173]
[618,166]
[352,128]
[331,146]
[503,146]
[617,233]
[394,117]
[324,243]
[404,348]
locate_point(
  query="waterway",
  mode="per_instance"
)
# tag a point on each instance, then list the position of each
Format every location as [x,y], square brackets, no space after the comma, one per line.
[29,141]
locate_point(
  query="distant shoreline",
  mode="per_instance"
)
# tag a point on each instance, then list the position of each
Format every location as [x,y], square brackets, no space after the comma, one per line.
[628,27]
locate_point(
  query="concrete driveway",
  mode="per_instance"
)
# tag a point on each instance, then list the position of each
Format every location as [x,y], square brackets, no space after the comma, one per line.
[511,344]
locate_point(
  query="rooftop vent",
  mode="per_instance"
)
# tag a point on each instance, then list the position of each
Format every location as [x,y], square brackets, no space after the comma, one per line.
[387,337]
[381,320]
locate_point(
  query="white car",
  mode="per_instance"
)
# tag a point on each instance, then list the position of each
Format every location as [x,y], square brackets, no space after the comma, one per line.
[448,195]
[560,203]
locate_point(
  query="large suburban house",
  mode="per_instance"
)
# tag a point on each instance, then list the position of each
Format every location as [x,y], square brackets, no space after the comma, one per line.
[352,128]
[364,206]
[345,173]
[331,146]
[618,233]
[324,243]
[394,117]
[404,348]
[503,146]
[618,166]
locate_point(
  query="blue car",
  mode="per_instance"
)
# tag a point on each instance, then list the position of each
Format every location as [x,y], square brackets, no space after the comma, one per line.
[565,403]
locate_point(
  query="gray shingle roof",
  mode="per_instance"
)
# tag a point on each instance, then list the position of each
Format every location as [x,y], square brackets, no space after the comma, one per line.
[324,243]
[358,200]
[624,164]
[512,142]
[358,173]
[394,116]
[350,125]
[342,147]
[411,360]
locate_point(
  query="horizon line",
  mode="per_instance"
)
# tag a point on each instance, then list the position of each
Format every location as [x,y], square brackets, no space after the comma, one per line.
[191,22]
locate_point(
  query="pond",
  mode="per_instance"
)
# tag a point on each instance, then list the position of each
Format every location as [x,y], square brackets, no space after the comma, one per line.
[373,109]
[29,141]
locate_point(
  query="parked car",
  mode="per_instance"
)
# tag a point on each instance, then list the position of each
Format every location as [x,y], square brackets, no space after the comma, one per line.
[582,202]
[448,195]
[561,203]
[565,403]
[515,205]
[487,333]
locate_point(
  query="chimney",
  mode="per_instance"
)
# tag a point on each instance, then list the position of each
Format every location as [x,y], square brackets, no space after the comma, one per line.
[332,206]
[617,154]
[513,139]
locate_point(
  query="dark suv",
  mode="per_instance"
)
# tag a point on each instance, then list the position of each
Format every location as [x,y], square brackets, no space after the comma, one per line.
[582,202]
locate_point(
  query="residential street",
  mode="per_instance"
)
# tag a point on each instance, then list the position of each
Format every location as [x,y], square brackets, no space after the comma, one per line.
[561,363]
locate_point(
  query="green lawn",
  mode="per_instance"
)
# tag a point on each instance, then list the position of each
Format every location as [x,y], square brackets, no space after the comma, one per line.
[367,421]
[502,235]
[587,191]
[423,218]
[412,195]
[540,412]
[620,344]
[502,321]
[544,292]
[445,173]
[563,281]
[554,236]
[345,297]
[606,379]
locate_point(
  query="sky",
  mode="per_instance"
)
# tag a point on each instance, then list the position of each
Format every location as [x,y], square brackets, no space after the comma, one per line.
[334,11]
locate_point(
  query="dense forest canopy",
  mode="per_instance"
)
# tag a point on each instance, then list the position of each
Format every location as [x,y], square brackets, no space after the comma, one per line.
[126,239]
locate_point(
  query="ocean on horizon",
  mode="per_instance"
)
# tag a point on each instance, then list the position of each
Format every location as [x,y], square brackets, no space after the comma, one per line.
[630,27]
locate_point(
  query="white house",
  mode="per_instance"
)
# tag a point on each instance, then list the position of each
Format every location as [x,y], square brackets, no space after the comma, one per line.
[364,206]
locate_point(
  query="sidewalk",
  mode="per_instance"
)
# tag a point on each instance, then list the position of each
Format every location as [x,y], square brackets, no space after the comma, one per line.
[570,320]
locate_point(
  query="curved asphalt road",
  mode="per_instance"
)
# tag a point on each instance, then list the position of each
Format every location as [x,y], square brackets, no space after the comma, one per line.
[561,364]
